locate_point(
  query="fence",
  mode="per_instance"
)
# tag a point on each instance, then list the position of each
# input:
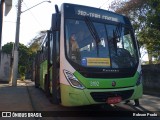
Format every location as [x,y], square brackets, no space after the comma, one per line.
[5,67]
[151,78]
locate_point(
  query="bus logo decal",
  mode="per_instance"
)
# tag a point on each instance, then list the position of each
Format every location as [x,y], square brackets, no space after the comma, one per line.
[94,83]
[113,83]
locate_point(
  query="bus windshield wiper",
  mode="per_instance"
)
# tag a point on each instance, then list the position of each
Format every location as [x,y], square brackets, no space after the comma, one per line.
[93,32]
[119,30]
[116,35]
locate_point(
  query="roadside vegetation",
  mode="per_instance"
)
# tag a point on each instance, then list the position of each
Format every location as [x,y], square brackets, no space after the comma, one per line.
[26,54]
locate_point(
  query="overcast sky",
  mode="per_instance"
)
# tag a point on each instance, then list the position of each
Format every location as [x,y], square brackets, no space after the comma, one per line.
[38,18]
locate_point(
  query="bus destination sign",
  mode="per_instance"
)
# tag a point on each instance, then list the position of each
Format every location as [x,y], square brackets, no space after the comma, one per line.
[96,15]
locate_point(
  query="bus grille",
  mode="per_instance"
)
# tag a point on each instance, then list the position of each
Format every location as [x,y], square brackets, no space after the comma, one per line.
[103,96]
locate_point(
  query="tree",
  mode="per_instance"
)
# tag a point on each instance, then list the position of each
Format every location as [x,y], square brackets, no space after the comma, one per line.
[22,71]
[24,53]
[7,48]
[35,44]
[150,37]
[134,9]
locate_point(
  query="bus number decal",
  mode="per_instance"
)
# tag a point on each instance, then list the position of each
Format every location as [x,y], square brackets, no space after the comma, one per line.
[94,83]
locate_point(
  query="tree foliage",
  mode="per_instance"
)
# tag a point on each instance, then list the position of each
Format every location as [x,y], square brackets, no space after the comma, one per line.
[150,37]
[134,9]
[24,53]
[34,44]
[7,48]
[22,71]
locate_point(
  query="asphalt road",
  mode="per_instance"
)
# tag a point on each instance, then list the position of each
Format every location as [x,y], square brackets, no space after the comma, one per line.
[25,97]
[149,106]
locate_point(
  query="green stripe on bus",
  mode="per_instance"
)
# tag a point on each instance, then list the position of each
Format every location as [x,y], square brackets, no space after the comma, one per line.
[43,71]
[107,82]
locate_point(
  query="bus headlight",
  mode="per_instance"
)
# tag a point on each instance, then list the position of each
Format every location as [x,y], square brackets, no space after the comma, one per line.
[140,79]
[73,81]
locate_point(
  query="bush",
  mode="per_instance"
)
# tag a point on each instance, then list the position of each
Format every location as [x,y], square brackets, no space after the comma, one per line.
[22,71]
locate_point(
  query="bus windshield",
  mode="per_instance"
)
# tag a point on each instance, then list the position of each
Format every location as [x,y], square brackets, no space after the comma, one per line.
[112,48]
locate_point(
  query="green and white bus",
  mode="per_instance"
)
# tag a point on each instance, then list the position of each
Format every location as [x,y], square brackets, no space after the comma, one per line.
[89,56]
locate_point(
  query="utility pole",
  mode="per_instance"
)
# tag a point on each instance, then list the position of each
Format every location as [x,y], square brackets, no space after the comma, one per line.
[14,66]
[16,46]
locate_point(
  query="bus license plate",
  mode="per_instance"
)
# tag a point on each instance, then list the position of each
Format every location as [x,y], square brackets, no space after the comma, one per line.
[114,100]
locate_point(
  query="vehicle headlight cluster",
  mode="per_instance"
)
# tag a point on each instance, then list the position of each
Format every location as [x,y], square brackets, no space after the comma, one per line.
[73,81]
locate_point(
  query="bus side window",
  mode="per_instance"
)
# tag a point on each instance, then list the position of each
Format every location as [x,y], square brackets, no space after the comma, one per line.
[51,48]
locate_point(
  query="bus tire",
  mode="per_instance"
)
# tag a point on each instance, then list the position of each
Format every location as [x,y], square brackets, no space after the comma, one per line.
[36,85]
[56,97]
[46,86]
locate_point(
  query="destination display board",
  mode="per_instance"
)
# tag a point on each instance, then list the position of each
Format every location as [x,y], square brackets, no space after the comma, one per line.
[96,62]
[74,11]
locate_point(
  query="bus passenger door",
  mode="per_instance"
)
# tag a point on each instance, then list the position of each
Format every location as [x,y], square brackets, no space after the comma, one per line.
[37,70]
[54,59]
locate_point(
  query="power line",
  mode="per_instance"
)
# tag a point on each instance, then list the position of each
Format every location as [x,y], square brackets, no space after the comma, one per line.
[34,16]
[10,21]
[108,2]
[103,4]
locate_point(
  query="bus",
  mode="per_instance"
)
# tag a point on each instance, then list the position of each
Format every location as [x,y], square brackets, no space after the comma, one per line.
[89,56]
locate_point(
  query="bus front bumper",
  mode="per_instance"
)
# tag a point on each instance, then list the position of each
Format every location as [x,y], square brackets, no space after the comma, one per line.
[76,97]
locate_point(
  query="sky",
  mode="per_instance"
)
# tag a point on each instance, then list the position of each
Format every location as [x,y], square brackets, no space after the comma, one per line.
[37,18]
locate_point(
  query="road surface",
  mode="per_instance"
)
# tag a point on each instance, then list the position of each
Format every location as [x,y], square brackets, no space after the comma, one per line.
[149,106]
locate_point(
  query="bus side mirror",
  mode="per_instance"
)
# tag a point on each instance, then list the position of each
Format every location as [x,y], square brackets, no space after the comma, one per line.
[56,22]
